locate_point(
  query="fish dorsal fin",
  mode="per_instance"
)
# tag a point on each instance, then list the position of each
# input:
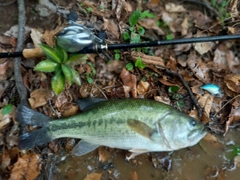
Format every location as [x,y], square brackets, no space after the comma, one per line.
[83,148]
[86,102]
[140,127]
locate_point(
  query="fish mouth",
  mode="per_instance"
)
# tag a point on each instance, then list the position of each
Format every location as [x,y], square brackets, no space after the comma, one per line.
[197,133]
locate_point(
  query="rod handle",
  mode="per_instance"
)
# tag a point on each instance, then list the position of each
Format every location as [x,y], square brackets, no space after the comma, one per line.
[33,53]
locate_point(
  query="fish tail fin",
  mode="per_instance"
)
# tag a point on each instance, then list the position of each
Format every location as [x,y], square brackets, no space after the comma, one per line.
[26,116]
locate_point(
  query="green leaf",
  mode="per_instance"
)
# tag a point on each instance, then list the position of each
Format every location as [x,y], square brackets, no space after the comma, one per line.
[134,17]
[117,56]
[63,54]
[76,77]
[126,35]
[132,29]
[169,37]
[139,63]
[135,38]
[47,66]
[76,59]
[129,66]
[67,71]
[141,30]
[173,89]
[58,83]
[7,109]
[147,14]
[51,53]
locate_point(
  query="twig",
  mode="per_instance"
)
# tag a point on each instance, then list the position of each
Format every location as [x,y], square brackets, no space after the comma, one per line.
[22,91]
[189,91]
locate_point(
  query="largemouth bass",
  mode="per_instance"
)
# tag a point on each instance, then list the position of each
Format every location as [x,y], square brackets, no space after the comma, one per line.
[137,125]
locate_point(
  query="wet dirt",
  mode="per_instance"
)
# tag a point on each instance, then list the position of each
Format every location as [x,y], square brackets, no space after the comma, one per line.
[9,17]
[206,160]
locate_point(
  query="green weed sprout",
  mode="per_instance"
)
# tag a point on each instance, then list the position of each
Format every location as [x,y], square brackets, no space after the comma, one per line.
[135,32]
[59,62]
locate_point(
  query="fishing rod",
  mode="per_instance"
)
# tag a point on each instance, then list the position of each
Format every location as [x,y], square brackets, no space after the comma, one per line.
[77,38]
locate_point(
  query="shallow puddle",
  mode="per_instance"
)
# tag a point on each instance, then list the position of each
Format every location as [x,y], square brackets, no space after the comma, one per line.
[207,160]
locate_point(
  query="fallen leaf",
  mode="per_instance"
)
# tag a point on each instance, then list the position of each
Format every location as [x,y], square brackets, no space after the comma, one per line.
[36,37]
[129,80]
[26,168]
[39,97]
[150,23]
[184,26]
[70,110]
[174,8]
[133,175]
[234,9]
[142,87]
[232,82]
[220,60]
[200,69]
[152,4]
[172,64]
[147,59]
[6,119]
[162,99]
[4,68]
[233,116]
[48,36]
[205,102]
[103,154]
[200,19]
[93,176]
[111,26]
[204,47]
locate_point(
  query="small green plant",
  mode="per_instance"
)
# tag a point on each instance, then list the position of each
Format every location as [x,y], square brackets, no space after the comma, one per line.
[89,75]
[134,33]
[178,97]
[61,65]
[117,54]
[221,8]
[138,63]
[7,109]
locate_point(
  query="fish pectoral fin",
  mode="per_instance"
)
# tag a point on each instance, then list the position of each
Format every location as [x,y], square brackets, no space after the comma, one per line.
[83,148]
[140,127]
[86,102]
[136,152]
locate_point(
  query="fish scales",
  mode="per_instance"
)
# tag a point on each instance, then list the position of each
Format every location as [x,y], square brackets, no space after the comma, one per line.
[131,124]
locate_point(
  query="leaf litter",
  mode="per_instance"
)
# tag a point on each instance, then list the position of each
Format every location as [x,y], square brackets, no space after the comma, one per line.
[199,64]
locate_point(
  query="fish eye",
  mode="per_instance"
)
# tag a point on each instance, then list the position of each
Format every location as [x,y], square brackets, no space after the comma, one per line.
[193,122]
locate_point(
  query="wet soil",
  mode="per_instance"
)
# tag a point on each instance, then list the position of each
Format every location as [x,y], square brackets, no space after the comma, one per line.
[206,160]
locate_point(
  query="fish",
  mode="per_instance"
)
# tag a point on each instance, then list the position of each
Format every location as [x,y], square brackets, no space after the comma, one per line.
[136,125]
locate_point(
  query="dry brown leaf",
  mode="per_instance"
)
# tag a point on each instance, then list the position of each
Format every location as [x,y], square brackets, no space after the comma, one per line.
[48,36]
[39,97]
[174,8]
[61,100]
[147,59]
[150,23]
[233,116]
[185,26]
[103,154]
[200,69]
[6,119]
[162,99]
[27,167]
[200,19]
[172,64]
[152,4]
[233,82]
[205,102]
[142,87]
[70,110]
[112,27]
[93,176]
[3,70]
[133,175]
[36,37]
[220,60]
[164,80]
[5,160]
[204,47]
[129,80]
[234,9]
